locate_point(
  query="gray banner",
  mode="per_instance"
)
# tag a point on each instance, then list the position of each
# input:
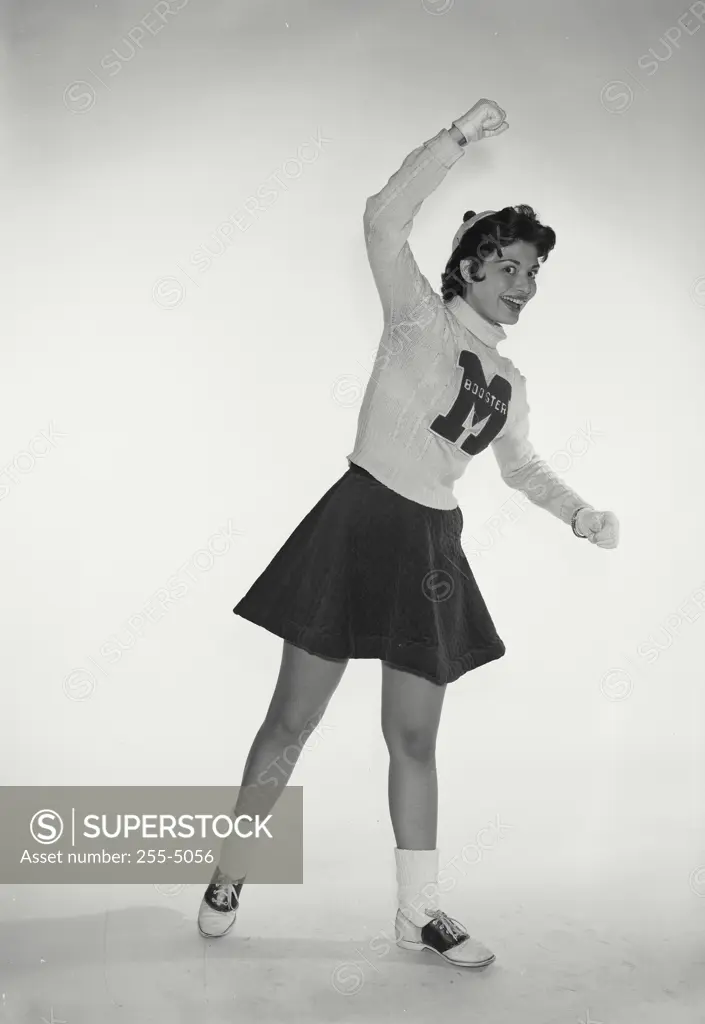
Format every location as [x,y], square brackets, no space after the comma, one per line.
[139,834]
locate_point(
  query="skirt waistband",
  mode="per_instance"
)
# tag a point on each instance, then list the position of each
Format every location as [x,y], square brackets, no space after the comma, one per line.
[442,513]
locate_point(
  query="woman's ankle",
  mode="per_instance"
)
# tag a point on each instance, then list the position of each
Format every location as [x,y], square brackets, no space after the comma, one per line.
[221,878]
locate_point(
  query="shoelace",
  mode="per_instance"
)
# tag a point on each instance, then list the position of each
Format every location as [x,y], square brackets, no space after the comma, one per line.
[453,927]
[222,894]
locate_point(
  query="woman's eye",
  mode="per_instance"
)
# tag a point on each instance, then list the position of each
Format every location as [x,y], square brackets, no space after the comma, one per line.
[510,270]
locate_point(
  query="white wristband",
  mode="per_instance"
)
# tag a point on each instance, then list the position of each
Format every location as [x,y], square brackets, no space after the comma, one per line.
[471,134]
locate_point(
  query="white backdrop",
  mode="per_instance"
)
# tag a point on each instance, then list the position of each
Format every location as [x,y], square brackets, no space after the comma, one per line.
[154,318]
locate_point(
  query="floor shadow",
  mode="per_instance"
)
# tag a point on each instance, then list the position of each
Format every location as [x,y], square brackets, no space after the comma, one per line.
[142,934]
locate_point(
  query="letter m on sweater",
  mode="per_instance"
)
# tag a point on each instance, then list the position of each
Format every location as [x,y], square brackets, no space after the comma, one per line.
[478,404]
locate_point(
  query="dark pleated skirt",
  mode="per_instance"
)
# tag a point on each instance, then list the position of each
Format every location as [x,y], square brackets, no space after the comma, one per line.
[370,574]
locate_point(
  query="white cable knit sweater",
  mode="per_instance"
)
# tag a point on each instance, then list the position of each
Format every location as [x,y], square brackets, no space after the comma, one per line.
[439,392]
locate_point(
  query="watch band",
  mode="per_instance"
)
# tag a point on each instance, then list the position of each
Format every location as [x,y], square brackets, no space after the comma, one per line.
[573,521]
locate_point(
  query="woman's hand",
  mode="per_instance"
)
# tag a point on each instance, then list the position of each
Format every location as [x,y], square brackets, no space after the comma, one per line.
[483,120]
[601,528]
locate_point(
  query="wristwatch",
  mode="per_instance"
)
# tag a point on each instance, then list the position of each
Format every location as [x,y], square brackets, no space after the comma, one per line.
[456,134]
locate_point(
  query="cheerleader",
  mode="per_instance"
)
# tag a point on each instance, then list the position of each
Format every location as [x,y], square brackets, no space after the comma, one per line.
[376,568]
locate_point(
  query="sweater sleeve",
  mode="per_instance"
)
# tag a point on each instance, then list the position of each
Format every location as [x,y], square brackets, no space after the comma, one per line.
[523,470]
[405,293]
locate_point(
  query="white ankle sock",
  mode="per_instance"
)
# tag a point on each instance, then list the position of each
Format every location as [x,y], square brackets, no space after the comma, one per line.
[417,878]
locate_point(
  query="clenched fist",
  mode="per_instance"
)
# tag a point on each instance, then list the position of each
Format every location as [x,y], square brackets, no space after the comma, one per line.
[601,528]
[485,119]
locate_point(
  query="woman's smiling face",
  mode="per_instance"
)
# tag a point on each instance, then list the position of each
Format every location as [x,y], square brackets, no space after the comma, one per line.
[509,275]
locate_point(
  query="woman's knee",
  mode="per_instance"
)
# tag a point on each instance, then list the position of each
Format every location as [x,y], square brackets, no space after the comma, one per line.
[291,725]
[304,688]
[411,712]
[415,744]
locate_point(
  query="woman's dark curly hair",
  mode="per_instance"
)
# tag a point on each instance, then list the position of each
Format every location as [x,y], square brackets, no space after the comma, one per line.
[512,224]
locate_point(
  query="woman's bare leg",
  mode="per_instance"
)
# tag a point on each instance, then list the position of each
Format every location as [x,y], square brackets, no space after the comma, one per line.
[305,685]
[411,712]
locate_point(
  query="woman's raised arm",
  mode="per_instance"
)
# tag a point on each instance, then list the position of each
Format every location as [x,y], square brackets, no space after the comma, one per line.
[389,215]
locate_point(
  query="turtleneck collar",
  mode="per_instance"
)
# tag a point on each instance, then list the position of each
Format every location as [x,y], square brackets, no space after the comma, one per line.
[487,332]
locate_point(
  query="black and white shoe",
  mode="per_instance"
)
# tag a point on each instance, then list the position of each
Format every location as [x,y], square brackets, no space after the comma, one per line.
[444,936]
[218,909]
